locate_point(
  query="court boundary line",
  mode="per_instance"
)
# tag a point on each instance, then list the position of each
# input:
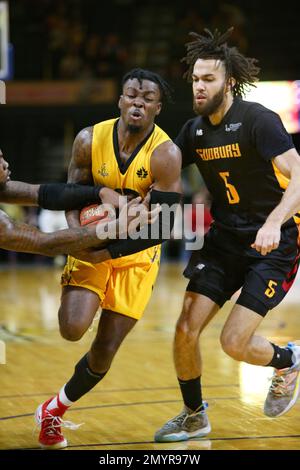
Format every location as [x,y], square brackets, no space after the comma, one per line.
[231,438]
[113,390]
[114,405]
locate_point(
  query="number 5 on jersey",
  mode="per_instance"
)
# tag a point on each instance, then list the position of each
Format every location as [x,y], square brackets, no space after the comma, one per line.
[232,194]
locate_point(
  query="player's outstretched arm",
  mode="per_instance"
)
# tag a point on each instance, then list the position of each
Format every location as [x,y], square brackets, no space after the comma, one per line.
[28,239]
[56,196]
[17,192]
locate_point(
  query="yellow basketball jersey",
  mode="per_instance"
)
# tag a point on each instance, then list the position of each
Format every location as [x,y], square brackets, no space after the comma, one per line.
[107,168]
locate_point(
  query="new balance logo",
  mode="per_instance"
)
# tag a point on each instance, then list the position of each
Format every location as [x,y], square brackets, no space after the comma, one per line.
[232,127]
[199,132]
[200,266]
[142,173]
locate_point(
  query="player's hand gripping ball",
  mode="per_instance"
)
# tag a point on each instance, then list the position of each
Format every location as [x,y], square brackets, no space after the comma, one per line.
[92,214]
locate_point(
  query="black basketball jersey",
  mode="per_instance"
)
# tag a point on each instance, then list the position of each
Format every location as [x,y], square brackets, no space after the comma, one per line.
[235,161]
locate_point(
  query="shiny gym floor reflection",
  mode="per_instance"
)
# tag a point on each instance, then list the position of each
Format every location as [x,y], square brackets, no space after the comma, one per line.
[140,392]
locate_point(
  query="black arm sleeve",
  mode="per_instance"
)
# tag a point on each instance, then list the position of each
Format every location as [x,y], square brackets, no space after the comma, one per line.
[161,228]
[64,197]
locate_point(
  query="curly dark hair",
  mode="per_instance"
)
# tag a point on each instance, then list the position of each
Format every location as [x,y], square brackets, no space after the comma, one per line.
[214,46]
[142,74]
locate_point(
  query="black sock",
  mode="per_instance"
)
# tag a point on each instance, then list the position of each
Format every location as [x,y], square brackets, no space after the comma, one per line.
[82,381]
[282,358]
[191,393]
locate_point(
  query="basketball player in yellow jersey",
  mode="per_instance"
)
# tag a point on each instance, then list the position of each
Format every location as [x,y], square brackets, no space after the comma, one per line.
[128,154]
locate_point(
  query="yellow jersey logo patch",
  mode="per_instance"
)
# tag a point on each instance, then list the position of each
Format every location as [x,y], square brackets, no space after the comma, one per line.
[103,171]
[142,173]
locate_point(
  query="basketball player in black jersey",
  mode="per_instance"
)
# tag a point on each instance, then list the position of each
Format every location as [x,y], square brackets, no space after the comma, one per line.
[252,170]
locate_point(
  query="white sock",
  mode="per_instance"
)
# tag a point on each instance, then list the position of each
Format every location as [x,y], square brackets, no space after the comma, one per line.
[62,398]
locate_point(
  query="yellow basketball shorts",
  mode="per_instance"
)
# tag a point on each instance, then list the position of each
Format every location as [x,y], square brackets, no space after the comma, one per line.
[124,285]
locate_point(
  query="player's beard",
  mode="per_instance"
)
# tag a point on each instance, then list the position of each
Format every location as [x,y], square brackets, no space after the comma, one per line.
[132,129]
[211,105]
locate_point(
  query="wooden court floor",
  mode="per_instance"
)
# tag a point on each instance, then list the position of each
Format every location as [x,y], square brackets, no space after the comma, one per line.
[140,392]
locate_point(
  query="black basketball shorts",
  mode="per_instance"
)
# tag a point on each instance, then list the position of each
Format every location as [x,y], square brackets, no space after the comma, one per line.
[227,263]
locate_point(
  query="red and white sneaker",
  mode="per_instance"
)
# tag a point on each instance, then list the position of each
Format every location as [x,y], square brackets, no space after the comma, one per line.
[50,422]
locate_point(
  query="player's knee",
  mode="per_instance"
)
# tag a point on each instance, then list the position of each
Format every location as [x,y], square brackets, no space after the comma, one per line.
[71,331]
[231,345]
[72,325]
[185,332]
[71,334]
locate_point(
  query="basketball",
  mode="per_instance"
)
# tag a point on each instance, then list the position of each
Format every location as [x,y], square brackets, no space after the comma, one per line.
[92,214]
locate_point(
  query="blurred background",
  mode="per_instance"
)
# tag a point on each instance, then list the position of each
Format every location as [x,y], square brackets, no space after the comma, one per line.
[62,62]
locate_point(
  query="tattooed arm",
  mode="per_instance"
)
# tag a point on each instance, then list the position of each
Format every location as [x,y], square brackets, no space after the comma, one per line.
[53,196]
[80,168]
[17,192]
[28,239]
[80,171]
[25,238]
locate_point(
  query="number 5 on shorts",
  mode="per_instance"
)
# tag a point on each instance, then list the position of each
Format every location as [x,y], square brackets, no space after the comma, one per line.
[270,291]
